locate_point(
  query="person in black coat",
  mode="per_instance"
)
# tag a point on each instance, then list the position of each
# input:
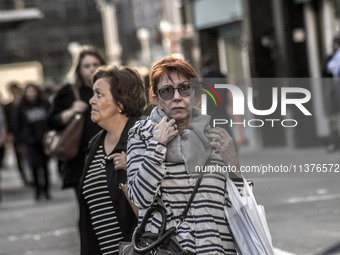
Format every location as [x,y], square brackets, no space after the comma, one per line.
[31,125]
[65,106]
[331,98]
[10,111]
[106,217]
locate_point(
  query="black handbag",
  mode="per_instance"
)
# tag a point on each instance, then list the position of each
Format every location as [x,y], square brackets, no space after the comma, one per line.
[162,243]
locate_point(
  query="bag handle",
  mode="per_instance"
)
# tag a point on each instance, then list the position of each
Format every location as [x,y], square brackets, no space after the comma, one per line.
[75,92]
[140,230]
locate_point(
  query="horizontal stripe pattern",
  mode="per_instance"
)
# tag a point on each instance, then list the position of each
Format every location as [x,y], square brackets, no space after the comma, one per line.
[98,200]
[205,230]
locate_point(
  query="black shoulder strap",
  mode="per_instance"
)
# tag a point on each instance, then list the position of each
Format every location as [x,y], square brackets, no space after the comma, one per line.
[193,194]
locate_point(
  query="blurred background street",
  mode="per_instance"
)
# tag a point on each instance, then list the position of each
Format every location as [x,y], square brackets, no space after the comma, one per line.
[302,212]
[36,227]
[246,41]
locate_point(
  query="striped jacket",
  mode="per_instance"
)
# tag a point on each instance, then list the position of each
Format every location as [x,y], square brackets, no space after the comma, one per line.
[205,229]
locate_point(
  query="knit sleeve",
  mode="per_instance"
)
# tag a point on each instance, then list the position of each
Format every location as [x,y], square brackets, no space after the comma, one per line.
[145,165]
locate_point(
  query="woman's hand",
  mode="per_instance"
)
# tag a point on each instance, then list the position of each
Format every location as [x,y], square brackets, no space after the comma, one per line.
[119,160]
[165,130]
[79,106]
[223,142]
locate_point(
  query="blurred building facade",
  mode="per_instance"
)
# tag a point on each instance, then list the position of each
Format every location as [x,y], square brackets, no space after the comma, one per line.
[244,39]
[270,39]
[46,40]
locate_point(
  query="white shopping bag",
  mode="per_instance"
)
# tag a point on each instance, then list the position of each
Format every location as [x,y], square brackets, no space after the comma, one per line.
[248,222]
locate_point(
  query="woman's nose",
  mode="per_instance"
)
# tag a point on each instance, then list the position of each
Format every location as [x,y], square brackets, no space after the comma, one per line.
[177,96]
[93,68]
[91,100]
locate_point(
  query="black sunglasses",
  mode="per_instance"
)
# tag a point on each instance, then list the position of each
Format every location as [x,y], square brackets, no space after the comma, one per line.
[167,92]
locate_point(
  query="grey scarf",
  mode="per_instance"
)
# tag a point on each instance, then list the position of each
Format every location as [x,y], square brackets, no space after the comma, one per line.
[192,147]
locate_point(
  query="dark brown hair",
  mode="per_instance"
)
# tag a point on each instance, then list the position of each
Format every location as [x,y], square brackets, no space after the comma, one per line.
[39,99]
[166,66]
[74,74]
[126,86]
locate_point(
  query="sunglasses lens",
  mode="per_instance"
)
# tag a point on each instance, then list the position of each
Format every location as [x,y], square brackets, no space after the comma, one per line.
[184,90]
[166,93]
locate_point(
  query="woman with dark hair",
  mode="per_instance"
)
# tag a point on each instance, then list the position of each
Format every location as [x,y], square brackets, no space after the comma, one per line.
[106,217]
[164,152]
[66,105]
[30,127]
[10,110]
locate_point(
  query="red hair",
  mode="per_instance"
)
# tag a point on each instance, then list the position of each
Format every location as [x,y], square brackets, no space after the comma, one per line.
[167,66]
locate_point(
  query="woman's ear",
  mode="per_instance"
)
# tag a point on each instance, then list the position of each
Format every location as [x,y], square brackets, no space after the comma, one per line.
[120,107]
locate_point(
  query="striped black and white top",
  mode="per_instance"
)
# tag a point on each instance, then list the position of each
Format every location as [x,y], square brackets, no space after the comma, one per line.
[97,197]
[205,229]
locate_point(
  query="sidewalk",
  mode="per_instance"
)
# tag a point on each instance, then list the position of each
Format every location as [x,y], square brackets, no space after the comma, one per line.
[302,209]
[29,227]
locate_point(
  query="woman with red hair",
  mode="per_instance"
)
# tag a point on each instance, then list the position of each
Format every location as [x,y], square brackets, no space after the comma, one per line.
[166,152]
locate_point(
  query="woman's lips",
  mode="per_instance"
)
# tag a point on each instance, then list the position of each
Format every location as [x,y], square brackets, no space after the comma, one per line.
[177,108]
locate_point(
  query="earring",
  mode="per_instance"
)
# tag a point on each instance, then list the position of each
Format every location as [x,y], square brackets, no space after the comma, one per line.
[119,110]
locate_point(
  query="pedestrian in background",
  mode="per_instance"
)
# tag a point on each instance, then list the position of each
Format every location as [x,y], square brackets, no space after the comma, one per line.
[2,134]
[65,107]
[163,153]
[2,139]
[30,128]
[10,110]
[211,75]
[106,217]
[331,69]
